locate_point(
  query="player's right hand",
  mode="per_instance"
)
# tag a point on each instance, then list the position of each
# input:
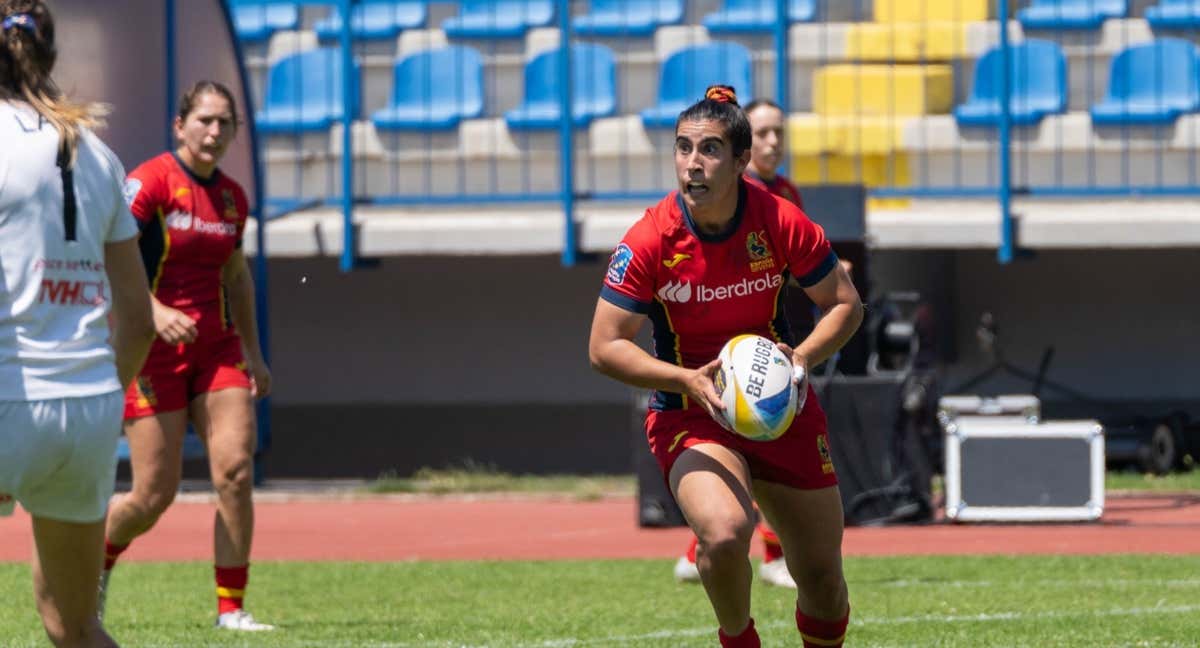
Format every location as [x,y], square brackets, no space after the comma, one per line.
[174,326]
[700,388]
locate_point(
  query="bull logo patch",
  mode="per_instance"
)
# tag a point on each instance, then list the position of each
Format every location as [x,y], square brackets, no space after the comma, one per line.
[760,253]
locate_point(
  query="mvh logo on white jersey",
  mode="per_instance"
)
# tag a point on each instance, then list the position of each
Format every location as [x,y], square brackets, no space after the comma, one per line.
[681,292]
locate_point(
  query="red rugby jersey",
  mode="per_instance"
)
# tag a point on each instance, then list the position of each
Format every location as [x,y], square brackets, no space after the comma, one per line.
[780,186]
[699,290]
[190,227]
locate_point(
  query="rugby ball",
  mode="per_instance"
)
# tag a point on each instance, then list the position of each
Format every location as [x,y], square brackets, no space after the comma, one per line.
[755,382]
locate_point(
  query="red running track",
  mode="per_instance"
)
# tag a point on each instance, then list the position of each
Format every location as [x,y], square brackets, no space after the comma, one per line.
[388,529]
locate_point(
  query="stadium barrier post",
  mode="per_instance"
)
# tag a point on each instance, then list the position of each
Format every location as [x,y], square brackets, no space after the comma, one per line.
[348,83]
[570,249]
[1005,253]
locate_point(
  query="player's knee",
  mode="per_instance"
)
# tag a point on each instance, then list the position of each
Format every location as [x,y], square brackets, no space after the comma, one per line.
[822,582]
[726,542]
[234,478]
[153,501]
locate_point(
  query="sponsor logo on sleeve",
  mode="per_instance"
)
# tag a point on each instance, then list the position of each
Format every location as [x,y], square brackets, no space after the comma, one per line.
[619,264]
[133,187]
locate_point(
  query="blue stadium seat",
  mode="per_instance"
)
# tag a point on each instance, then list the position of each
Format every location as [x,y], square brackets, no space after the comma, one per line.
[498,18]
[434,89]
[628,17]
[1174,14]
[756,15]
[593,83]
[256,20]
[1038,78]
[686,74]
[1071,14]
[1151,83]
[375,19]
[304,93]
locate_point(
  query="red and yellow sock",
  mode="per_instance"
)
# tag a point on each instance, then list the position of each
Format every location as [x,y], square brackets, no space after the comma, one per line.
[748,638]
[111,553]
[691,550]
[772,550]
[231,587]
[818,633]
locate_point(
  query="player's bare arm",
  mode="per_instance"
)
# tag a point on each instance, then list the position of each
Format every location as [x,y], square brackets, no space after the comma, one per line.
[239,285]
[133,325]
[841,314]
[613,353]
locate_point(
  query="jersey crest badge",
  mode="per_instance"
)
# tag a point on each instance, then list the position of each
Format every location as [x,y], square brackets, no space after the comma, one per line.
[760,254]
[231,212]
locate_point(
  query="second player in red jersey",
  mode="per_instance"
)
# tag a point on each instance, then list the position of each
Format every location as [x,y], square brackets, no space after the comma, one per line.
[709,262]
[767,126]
[206,365]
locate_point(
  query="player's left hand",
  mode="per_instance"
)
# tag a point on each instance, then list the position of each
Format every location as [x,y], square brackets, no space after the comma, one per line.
[799,368]
[260,378]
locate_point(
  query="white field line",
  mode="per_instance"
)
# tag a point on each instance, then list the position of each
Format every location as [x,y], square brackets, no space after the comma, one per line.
[685,633]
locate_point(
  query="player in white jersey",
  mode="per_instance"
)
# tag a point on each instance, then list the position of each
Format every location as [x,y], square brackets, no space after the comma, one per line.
[69,267]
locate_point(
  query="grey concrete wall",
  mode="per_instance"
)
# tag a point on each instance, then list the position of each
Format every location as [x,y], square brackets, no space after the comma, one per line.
[432,360]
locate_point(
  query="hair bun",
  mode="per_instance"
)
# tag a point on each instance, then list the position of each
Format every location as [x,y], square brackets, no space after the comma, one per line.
[721,94]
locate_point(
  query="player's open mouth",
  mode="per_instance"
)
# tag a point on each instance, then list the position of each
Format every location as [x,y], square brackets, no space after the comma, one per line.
[696,189]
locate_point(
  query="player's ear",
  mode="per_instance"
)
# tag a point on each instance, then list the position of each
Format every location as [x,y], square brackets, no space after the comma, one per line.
[742,161]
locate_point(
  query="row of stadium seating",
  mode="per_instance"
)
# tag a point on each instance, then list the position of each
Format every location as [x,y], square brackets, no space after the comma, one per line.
[907,98]
[1150,83]
[256,20]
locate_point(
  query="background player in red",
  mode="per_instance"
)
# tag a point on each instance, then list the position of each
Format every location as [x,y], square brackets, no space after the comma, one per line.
[768,127]
[706,263]
[191,217]
[768,144]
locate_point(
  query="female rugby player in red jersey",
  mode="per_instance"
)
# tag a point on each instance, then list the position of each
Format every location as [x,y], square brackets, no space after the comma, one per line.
[206,366]
[717,230]
[768,137]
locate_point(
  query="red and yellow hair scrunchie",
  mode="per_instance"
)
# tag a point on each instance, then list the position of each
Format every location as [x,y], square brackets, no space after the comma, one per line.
[721,94]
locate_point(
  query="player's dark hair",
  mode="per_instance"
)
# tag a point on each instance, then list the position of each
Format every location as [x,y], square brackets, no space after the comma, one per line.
[720,105]
[27,55]
[187,103]
[758,103]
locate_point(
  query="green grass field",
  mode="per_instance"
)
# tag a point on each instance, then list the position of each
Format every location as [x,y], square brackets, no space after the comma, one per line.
[1008,602]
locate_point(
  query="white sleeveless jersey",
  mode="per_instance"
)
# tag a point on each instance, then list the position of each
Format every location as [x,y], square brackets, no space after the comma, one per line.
[54,292]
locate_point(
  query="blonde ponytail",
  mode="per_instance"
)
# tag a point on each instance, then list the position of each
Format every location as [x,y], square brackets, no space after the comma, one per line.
[27,55]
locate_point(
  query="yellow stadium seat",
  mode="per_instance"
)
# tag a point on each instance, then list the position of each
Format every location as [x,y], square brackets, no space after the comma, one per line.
[890,11]
[932,41]
[869,170]
[810,134]
[883,90]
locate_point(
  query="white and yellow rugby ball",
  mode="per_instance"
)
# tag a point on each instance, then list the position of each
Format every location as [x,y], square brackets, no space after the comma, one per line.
[755,382]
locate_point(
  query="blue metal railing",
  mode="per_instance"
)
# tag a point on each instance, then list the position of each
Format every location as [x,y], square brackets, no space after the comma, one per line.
[920,155]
